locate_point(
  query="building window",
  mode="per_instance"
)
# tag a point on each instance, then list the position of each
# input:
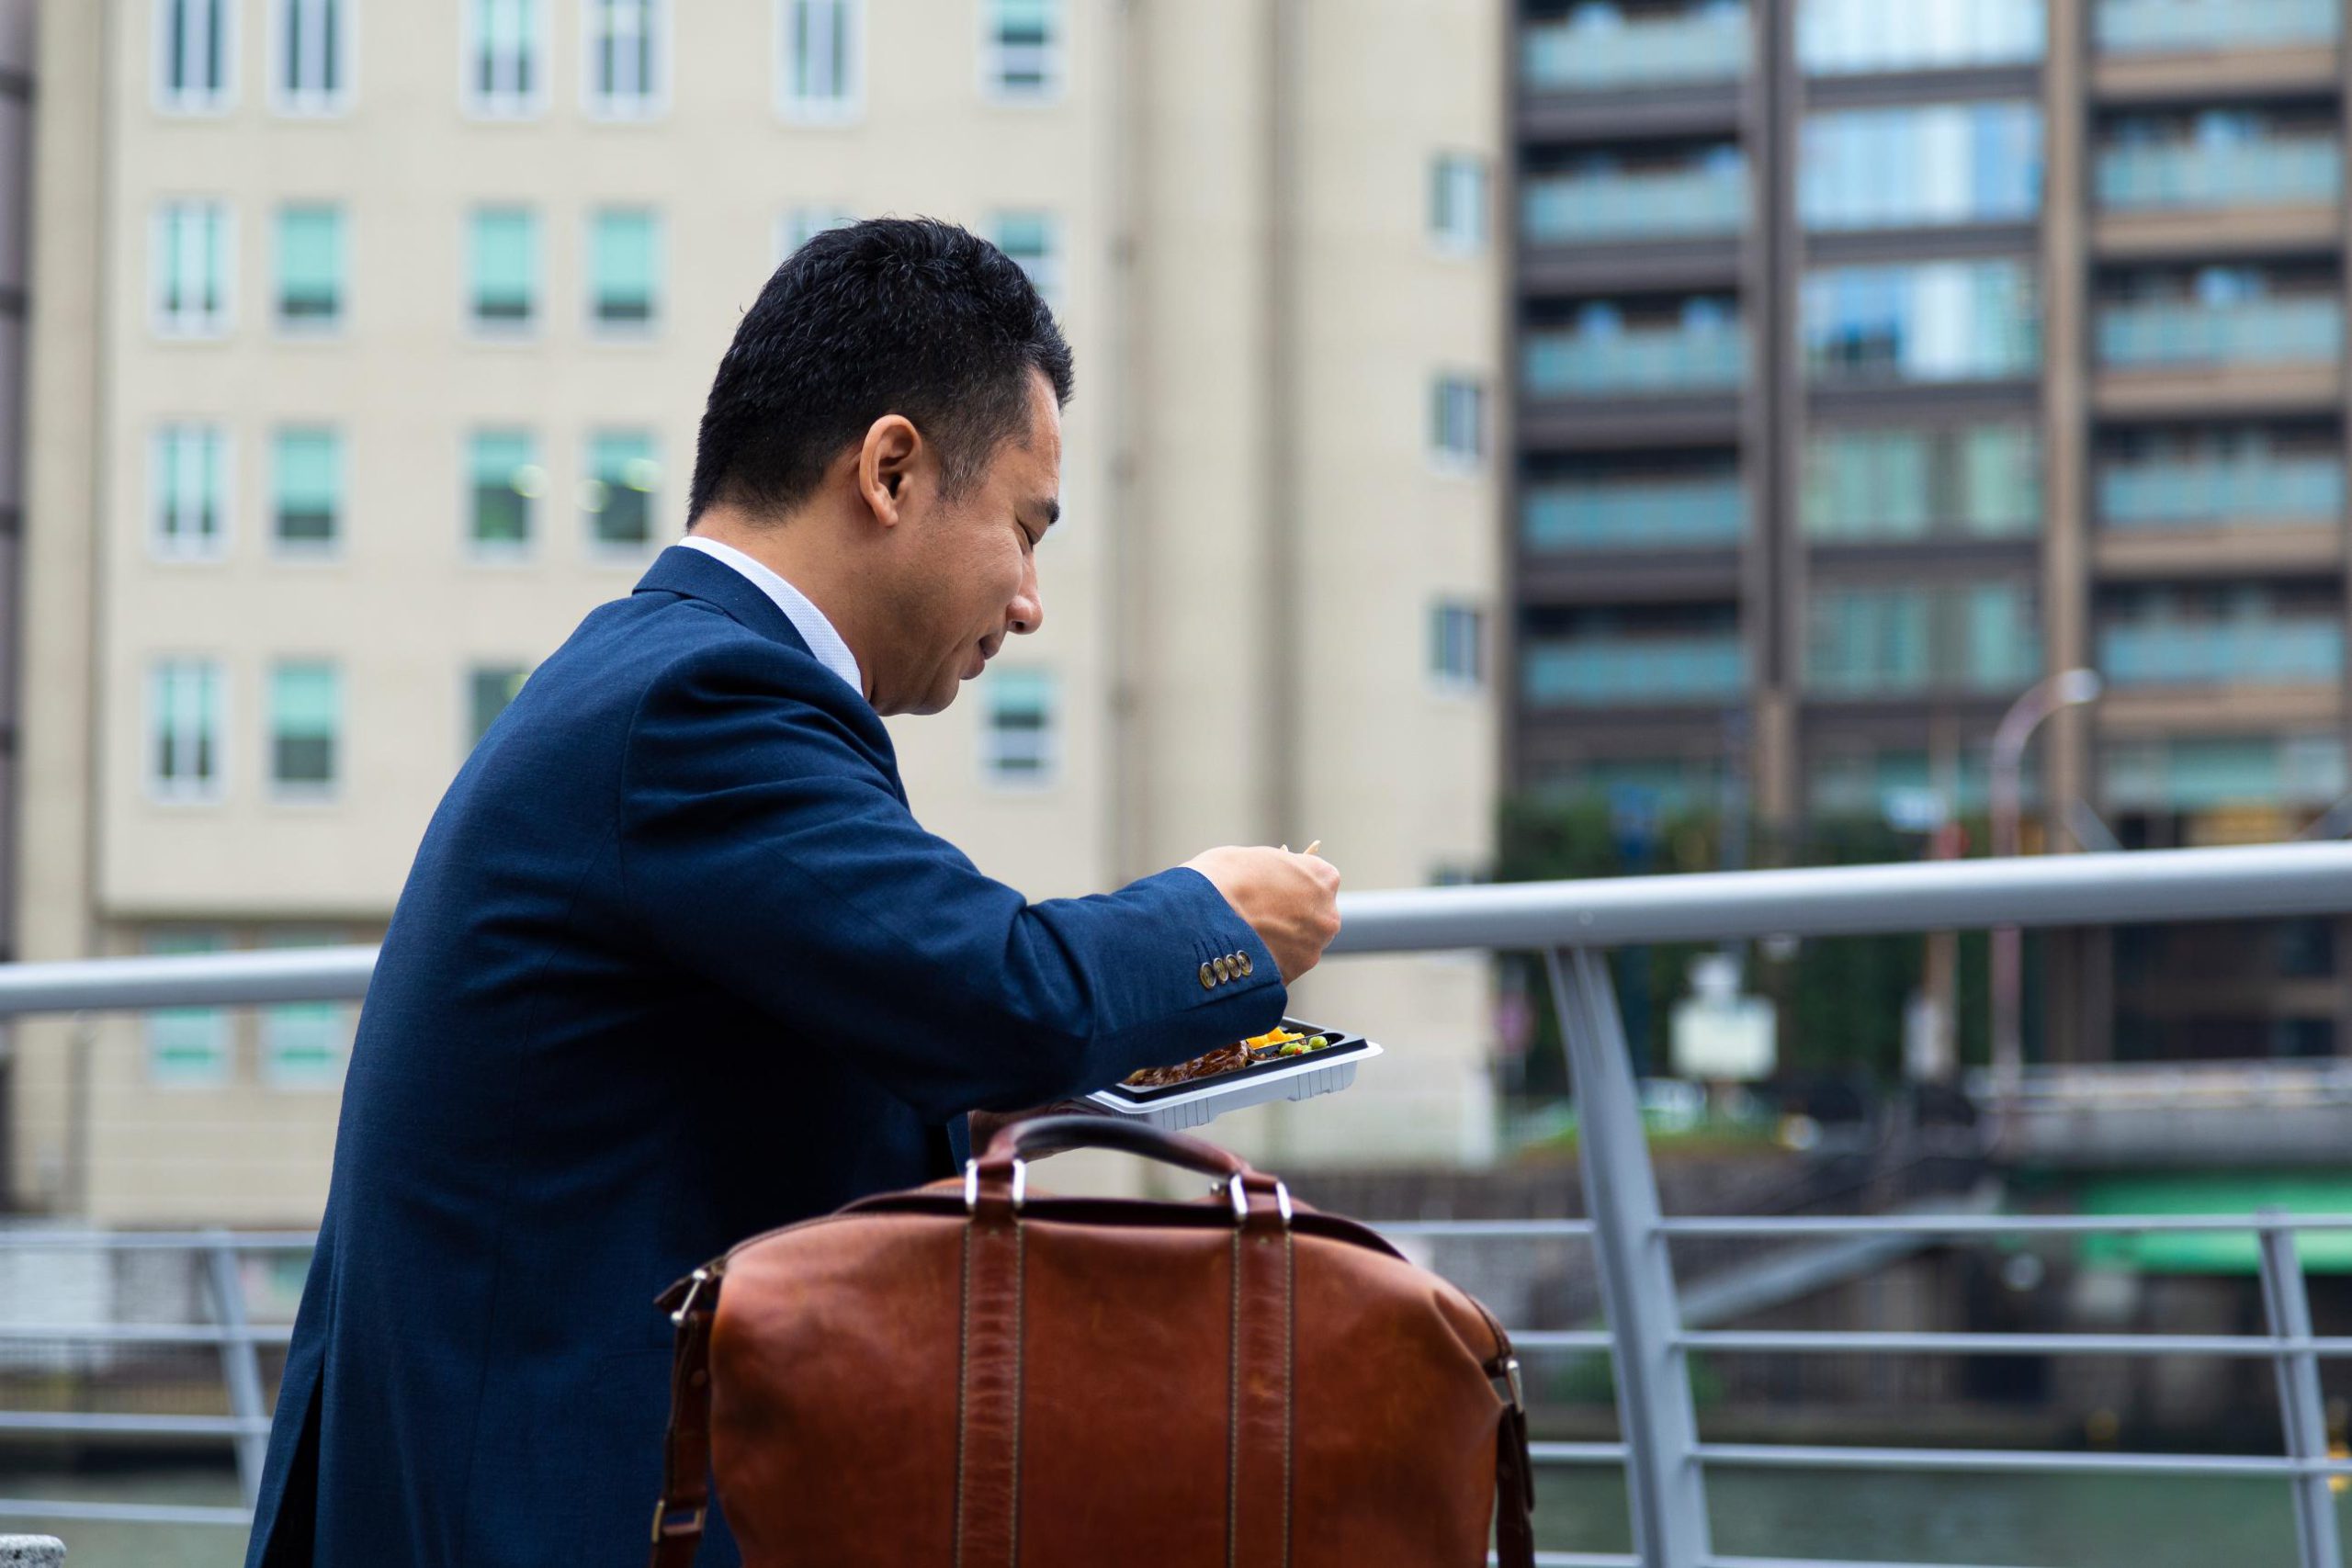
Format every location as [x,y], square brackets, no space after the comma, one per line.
[504,264]
[196,56]
[1879,484]
[629,59]
[1458,421]
[306,491]
[622,482]
[191,269]
[489,689]
[505,58]
[184,729]
[1457,645]
[1021,51]
[1846,37]
[186,1047]
[803,224]
[1927,322]
[1918,165]
[190,485]
[1034,241]
[309,268]
[311,58]
[506,479]
[822,63]
[623,249]
[305,1044]
[305,716]
[1874,640]
[1017,744]
[1458,203]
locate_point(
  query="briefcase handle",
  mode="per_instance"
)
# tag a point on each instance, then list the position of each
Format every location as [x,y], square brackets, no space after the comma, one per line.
[1043,1135]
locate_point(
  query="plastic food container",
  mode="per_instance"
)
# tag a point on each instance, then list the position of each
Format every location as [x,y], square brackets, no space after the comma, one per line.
[1196,1104]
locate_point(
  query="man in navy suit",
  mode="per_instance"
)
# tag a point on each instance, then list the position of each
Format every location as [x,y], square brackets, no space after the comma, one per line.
[675,962]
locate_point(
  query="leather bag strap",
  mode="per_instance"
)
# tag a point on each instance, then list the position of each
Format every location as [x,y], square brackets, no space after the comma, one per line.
[988,1451]
[686,1453]
[1258,1487]
[1514,1473]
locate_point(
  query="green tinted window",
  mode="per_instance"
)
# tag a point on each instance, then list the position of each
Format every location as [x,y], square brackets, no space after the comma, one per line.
[309,266]
[507,478]
[505,262]
[623,481]
[307,487]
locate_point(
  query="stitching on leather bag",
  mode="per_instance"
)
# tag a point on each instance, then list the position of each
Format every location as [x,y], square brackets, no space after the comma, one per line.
[1290,1380]
[1020,1290]
[963,1389]
[1233,1419]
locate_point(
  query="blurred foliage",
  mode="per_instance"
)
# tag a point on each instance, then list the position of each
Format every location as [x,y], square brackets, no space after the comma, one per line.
[1840,1000]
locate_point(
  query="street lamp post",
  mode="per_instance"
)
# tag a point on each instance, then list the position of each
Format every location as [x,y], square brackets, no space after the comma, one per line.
[2065,690]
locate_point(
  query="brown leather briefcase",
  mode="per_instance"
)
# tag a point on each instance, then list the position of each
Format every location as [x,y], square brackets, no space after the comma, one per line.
[980,1376]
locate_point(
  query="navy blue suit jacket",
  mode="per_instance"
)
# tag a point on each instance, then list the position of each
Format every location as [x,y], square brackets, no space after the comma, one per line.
[674,965]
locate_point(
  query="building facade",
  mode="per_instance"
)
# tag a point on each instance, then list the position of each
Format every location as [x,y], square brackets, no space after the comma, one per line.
[1877,360]
[368,346]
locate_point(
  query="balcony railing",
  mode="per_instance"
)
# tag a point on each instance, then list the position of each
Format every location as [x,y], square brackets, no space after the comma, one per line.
[1637,51]
[2164,27]
[1654,1323]
[2190,494]
[2285,172]
[1590,209]
[1635,671]
[1636,360]
[2254,332]
[2223,653]
[1700,513]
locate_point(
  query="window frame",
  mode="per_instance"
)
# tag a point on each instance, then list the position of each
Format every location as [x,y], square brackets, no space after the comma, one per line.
[991,54]
[616,552]
[161,253]
[500,552]
[497,106]
[309,327]
[180,102]
[1050,746]
[174,549]
[172,792]
[309,551]
[846,108]
[644,107]
[293,103]
[528,329]
[591,301]
[1456,242]
[1450,460]
[1444,680]
[201,940]
[306,792]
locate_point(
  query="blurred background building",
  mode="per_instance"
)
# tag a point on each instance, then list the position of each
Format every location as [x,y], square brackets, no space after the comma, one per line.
[1879,358]
[368,344]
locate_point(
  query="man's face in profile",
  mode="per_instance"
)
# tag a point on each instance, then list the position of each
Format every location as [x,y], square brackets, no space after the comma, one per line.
[966,568]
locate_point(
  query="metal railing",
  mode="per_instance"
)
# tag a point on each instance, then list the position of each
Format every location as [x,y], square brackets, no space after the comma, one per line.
[1649,1343]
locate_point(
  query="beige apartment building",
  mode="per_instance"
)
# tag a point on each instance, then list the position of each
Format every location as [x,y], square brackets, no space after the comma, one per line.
[367,345]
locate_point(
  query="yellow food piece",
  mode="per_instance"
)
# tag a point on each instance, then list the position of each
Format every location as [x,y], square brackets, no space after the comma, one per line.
[1277,1036]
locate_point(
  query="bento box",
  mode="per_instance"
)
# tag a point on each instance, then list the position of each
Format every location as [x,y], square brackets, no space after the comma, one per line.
[1269,1076]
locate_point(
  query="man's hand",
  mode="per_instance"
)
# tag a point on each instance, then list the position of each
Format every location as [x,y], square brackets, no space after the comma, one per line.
[1289,900]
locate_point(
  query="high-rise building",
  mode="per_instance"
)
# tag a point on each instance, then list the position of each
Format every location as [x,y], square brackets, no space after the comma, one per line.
[1879,359]
[369,341]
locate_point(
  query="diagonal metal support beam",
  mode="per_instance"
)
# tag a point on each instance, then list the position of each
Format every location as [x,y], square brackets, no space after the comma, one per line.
[1663,1480]
[2287,1306]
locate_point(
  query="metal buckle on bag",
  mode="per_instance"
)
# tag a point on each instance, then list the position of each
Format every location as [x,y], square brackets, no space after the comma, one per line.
[972,1184]
[1508,1383]
[696,1281]
[1240,1197]
[663,1514]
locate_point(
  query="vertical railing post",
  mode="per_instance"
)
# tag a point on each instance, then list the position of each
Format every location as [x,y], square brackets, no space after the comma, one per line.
[240,1363]
[1663,1480]
[2287,1308]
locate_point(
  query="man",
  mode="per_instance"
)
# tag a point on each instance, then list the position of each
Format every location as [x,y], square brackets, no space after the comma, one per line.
[675,965]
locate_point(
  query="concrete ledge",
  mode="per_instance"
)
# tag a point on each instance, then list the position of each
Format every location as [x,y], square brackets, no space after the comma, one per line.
[31,1552]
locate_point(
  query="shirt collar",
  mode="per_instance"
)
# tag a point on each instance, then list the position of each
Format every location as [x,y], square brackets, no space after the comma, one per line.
[815,630]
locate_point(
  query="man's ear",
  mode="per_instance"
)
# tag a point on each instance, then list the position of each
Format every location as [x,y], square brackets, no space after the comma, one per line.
[886,464]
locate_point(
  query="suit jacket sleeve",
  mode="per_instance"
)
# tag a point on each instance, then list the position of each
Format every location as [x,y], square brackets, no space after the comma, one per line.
[765,847]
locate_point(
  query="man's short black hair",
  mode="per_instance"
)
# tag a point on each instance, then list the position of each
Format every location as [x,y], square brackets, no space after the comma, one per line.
[892,315]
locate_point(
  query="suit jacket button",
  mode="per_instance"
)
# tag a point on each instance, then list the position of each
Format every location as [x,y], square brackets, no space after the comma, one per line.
[1224,967]
[1241,961]
[1208,978]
